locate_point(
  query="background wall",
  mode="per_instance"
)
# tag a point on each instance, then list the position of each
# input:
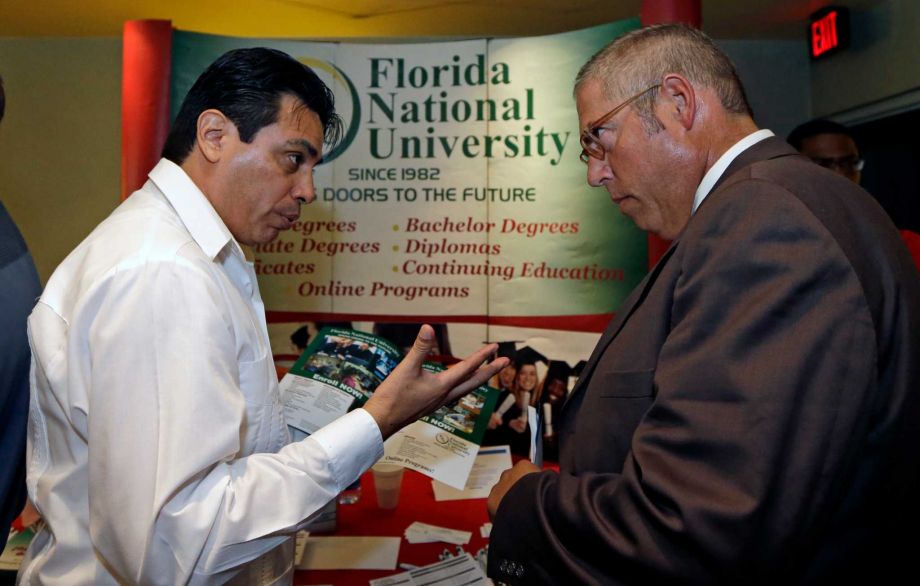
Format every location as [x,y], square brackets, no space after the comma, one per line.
[60,140]
[775,75]
[881,64]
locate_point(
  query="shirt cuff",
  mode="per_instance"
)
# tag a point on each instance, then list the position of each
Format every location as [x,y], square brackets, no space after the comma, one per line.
[353,444]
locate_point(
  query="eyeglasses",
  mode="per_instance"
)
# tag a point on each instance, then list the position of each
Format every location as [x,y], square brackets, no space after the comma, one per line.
[590,139]
[849,164]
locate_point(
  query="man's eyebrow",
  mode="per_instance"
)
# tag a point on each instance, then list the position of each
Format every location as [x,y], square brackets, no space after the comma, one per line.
[307,146]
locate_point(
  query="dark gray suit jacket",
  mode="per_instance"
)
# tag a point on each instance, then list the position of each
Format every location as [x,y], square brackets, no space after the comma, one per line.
[751,415]
[19,289]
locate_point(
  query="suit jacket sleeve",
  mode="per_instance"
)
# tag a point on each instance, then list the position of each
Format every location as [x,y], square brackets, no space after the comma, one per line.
[767,365]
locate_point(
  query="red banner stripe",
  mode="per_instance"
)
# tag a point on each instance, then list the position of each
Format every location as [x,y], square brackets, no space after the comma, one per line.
[569,323]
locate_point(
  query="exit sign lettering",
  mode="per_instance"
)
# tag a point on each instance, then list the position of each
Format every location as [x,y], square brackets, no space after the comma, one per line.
[829,31]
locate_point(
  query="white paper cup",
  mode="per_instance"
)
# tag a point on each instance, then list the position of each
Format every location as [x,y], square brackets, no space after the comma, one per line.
[387,481]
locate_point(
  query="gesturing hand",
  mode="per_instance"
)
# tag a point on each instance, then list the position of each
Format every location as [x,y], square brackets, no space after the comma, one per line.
[410,392]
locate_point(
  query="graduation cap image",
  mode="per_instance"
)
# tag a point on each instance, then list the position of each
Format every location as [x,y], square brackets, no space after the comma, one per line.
[301,338]
[559,370]
[506,349]
[578,368]
[528,355]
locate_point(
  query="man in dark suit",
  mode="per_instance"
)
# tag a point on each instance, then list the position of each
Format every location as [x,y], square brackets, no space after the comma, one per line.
[19,288]
[751,414]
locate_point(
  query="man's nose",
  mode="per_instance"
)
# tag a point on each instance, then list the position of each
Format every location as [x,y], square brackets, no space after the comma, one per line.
[598,172]
[304,190]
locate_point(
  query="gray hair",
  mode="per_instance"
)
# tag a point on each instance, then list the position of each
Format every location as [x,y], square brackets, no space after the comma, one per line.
[641,58]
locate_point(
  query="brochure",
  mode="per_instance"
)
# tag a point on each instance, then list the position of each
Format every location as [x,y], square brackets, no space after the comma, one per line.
[340,370]
[15,550]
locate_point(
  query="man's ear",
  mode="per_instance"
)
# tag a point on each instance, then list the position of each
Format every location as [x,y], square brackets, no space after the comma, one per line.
[680,98]
[211,134]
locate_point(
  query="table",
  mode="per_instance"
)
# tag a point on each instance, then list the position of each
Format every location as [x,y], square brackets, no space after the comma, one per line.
[416,503]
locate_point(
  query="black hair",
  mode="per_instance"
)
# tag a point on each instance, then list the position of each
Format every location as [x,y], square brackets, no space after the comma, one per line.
[247,85]
[814,128]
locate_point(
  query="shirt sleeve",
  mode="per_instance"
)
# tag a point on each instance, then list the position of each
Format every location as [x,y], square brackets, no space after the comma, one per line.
[170,495]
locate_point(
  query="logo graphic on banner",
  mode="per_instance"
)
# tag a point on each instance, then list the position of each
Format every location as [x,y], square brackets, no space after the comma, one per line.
[340,78]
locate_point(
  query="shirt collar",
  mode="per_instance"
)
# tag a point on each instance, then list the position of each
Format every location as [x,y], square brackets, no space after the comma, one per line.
[194,209]
[711,176]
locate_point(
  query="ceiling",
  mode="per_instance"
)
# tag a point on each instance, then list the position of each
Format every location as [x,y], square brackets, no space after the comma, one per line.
[722,19]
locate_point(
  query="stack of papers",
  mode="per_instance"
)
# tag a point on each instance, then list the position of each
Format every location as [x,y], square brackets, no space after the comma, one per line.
[459,571]
[425,533]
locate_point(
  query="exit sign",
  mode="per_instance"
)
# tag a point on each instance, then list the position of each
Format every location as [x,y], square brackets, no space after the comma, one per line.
[829,31]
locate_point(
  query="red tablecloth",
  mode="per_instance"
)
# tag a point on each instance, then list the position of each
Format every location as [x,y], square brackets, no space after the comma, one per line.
[416,503]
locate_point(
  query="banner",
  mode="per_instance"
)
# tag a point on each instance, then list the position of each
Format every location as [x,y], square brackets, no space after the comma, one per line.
[456,197]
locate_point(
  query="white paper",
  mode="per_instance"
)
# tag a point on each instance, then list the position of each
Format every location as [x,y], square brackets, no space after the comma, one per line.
[487,469]
[434,452]
[459,571]
[310,404]
[424,533]
[536,439]
[350,553]
[485,530]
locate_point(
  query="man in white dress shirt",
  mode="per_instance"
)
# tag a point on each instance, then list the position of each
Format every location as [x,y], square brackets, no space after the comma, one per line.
[158,452]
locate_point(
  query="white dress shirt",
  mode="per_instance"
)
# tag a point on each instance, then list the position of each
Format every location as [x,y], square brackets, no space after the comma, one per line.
[156,444]
[722,163]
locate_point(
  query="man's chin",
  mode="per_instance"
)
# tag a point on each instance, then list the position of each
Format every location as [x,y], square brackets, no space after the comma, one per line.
[266,236]
[629,207]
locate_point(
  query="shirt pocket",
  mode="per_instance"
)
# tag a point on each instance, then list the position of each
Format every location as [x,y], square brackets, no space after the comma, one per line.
[264,429]
[631,384]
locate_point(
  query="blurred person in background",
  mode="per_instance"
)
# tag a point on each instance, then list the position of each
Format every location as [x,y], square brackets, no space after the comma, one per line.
[19,290]
[833,146]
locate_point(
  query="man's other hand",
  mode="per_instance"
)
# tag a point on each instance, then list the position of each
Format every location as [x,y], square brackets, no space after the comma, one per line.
[507,480]
[410,392]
